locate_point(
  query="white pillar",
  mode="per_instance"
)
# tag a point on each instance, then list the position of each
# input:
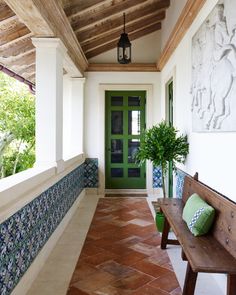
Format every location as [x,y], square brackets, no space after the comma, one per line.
[77,115]
[49,101]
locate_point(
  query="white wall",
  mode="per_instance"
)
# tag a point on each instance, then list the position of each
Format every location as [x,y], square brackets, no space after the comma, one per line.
[211,154]
[95,109]
[144,50]
[172,15]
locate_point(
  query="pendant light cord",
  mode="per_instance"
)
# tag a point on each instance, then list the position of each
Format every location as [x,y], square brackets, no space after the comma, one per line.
[124,22]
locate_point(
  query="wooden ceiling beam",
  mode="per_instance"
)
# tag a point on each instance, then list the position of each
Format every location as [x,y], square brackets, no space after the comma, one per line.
[133,67]
[12,33]
[29,70]
[22,61]
[142,23]
[18,48]
[76,7]
[8,20]
[17,60]
[47,19]
[5,11]
[12,42]
[115,23]
[133,36]
[189,13]
[93,17]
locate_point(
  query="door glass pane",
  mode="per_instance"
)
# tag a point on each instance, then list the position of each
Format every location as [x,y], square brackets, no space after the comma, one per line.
[133,172]
[134,122]
[134,101]
[133,145]
[116,151]
[116,101]
[117,122]
[116,172]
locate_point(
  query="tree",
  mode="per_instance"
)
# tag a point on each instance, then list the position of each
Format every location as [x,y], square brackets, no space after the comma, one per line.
[17,126]
[161,145]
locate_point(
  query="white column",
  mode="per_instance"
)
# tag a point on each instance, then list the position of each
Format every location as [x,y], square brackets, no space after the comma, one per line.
[49,101]
[66,117]
[77,115]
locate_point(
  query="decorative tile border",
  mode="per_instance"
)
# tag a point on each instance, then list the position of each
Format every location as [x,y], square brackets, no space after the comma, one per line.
[180,175]
[156,175]
[24,234]
[91,173]
[157,183]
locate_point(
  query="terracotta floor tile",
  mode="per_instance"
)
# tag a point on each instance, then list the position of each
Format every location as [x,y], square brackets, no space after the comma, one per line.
[116,269]
[82,270]
[109,290]
[90,249]
[122,255]
[100,258]
[177,291]
[145,249]
[75,291]
[153,241]
[130,258]
[167,282]
[140,222]
[119,249]
[94,281]
[159,259]
[150,268]
[132,281]
[131,240]
[149,290]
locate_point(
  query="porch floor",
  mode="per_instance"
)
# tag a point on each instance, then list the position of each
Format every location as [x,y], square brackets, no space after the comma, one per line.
[119,253]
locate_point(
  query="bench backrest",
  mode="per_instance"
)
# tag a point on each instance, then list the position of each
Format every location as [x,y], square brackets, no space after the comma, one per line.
[224,228]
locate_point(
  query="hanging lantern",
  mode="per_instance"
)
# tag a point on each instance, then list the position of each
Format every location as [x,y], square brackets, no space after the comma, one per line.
[124,48]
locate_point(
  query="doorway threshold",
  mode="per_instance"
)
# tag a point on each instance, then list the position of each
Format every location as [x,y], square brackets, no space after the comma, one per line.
[126,193]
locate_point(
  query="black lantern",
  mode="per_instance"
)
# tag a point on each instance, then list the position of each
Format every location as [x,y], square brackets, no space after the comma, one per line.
[124,48]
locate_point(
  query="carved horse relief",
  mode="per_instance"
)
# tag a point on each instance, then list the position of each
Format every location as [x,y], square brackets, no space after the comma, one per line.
[213,71]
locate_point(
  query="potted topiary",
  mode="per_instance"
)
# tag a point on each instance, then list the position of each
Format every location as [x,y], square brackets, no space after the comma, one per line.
[161,144]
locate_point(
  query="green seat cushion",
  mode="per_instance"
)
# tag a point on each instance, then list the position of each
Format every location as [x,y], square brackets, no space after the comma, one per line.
[198,215]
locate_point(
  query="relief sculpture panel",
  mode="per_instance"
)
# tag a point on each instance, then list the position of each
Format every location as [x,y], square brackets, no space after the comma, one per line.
[214,71]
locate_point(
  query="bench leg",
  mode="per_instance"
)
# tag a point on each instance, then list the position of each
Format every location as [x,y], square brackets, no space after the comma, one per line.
[231,284]
[190,281]
[164,237]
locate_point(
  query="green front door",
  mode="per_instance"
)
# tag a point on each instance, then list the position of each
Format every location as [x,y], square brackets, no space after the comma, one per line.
[125,120]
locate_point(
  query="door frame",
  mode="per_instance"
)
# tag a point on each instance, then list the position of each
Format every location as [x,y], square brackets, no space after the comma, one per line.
[170,174]
[170,77]
[149,122]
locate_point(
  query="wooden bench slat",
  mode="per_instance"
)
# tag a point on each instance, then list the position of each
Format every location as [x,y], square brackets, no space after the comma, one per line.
[205,253]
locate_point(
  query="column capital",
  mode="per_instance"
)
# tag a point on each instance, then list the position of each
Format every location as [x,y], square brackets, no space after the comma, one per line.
[77,79]
[49,43]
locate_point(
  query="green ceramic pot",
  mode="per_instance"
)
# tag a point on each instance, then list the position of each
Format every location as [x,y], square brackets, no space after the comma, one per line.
[160,221]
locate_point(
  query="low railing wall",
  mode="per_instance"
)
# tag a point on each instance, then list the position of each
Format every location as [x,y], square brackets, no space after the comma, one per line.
[25,228]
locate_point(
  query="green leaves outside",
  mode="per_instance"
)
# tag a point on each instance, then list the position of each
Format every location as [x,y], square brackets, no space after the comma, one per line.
[17,126]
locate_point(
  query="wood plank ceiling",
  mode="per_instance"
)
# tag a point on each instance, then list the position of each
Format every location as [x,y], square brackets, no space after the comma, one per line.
[97,24]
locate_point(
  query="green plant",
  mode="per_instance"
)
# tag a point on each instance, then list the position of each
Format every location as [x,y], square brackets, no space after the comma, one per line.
[161,145]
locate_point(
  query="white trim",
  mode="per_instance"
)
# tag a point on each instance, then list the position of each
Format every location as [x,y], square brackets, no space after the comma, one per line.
[31,274]
[149,122]
[49,43]
[91,191]
[18,190]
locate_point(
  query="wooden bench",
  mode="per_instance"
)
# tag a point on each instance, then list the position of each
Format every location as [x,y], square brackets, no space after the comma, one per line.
[211,253]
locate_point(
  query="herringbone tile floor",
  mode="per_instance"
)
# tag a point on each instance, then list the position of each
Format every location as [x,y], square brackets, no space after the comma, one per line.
[121,253]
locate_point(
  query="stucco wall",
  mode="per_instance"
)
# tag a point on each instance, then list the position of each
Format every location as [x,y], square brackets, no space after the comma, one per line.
[211,154]
[94,114]
[172,15]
